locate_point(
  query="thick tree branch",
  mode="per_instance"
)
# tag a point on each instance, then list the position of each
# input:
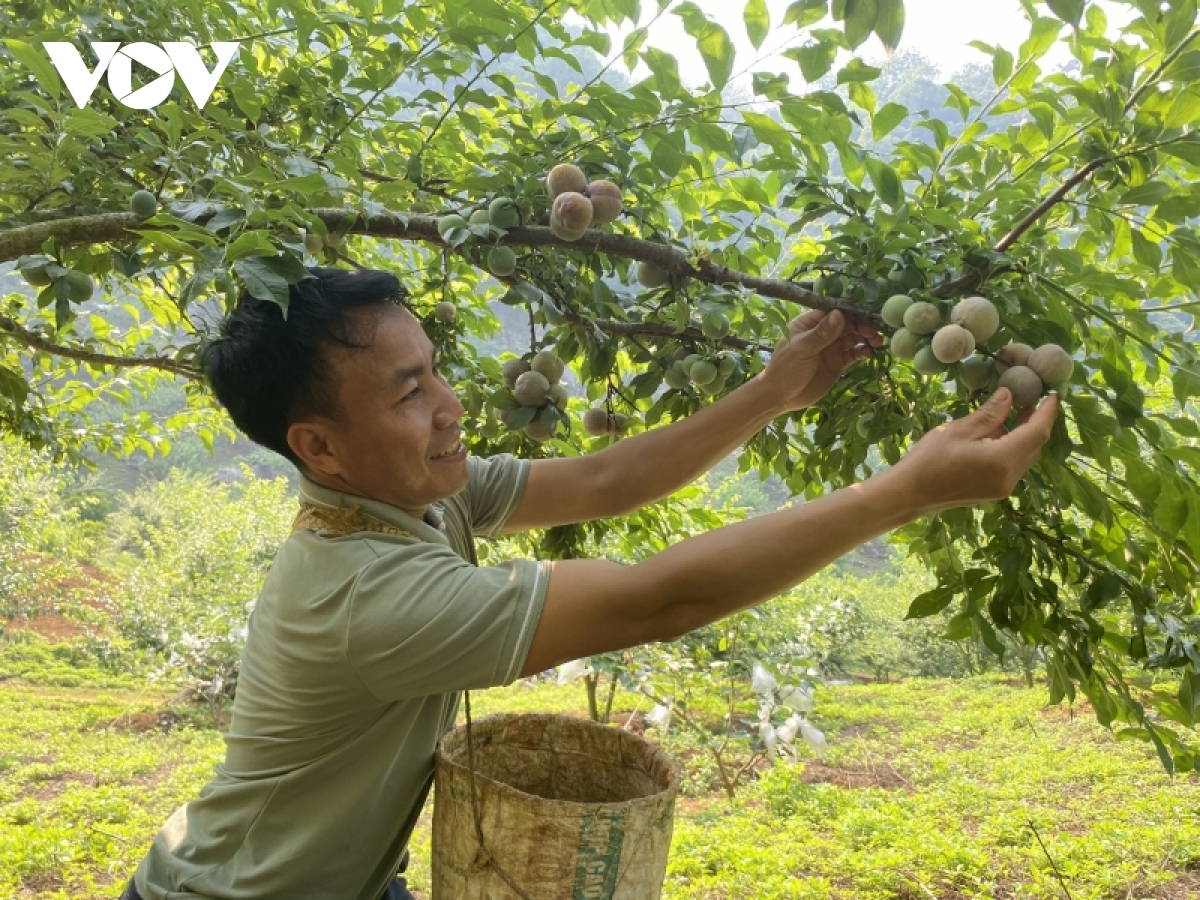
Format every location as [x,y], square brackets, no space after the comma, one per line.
[1046,205]
[37,342]
[16,242]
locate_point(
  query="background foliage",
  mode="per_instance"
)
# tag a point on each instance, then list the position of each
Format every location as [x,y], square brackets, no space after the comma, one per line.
[1067,196]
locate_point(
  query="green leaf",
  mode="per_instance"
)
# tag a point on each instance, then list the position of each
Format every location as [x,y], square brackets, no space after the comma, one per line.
[857,70]
[1149,194]
[262,281]
[861,16]
[1145,251]
[1185,109]
[1070,11]
[711,40]
[887,183]
[930,603]
[1002,65]
[886,119]
[13,386]
[39,65]
[1041,38]
[889,24]
[815,59]
[803,13]
[758,21]
[246,96]
[250,243]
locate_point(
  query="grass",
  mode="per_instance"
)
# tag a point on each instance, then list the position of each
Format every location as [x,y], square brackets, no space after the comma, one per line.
[929,789]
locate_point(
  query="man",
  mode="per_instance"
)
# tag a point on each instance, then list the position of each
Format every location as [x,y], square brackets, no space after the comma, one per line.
[375,616]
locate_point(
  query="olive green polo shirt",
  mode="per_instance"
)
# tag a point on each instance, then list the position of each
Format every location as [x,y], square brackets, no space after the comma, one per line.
[356,653]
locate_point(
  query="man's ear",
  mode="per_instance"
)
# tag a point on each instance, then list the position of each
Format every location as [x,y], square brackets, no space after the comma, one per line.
[312,444]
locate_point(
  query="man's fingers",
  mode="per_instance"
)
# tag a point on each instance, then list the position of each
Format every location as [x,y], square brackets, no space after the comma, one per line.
[869,332]
[806,321]
[990,417]
[1027,439]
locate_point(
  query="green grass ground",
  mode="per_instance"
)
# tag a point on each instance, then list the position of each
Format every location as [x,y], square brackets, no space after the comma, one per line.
[928,790]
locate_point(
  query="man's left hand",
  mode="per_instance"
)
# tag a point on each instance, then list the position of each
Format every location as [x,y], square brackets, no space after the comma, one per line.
[818,348]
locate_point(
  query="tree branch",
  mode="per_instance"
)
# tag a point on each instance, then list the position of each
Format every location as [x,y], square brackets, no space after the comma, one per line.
[1046,205]
[37,342]
[16,242]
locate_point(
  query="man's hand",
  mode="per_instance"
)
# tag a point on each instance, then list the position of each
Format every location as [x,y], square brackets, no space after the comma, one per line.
[818,348]
[977,458]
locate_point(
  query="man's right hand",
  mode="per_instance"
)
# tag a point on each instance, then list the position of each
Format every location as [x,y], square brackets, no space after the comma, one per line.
[976,458]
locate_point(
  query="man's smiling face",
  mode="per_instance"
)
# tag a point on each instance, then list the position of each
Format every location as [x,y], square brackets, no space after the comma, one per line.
[399,436]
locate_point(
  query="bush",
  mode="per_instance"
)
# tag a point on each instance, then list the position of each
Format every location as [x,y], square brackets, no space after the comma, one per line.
[44,530]
[190,556]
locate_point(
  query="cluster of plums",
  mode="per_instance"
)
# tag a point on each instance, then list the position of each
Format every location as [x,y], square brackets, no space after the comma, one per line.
[933,346]
[578,203]
[535,384]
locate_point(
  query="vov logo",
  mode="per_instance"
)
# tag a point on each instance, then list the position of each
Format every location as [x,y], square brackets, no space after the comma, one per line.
[168,60]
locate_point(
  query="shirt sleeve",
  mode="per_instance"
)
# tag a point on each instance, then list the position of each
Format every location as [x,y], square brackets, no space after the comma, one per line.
[495,487]
[424,621]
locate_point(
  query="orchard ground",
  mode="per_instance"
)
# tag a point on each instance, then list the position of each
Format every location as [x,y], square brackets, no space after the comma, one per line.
[930,788]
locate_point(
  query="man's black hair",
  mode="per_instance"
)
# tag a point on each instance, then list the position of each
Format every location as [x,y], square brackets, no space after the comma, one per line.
[269,371]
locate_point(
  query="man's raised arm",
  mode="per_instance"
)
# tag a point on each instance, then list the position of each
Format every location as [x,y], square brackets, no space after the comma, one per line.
[593,606]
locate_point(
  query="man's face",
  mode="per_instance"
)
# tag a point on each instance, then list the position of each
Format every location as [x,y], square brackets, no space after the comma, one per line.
[399,418]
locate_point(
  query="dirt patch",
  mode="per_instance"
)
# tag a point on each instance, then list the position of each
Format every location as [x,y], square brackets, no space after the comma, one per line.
[883,776]
[40,883]
[1185,887]
[141,722]
[634,722]
[53,627]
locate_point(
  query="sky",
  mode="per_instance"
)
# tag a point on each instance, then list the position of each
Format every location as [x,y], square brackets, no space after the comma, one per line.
[941,29]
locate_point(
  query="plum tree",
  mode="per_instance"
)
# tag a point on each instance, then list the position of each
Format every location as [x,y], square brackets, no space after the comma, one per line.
[952,343]
[651,276]
[143,204]
[595,422]
[978,315]
[566,178]
[1051,363]
[1059,196]
[503,213]
[548,364]
[976,373]
[449,224]
[1025,385]
[894,309]
[1013,355]
[606,201]
[571,215]
[531,388]
[714,325]
[445,312]
[904,344]
[512,370]
[926,362]
[502,261]
[313,242]
[922,318]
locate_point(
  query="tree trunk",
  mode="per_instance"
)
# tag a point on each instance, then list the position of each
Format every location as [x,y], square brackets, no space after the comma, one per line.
[590,682]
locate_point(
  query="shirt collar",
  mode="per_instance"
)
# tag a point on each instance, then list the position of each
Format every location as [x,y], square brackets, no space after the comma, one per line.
[429,529]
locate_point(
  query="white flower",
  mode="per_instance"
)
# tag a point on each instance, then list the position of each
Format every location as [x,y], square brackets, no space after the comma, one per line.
[762,682]
[798,698]
[660,717]
[812,736]
[568,672]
